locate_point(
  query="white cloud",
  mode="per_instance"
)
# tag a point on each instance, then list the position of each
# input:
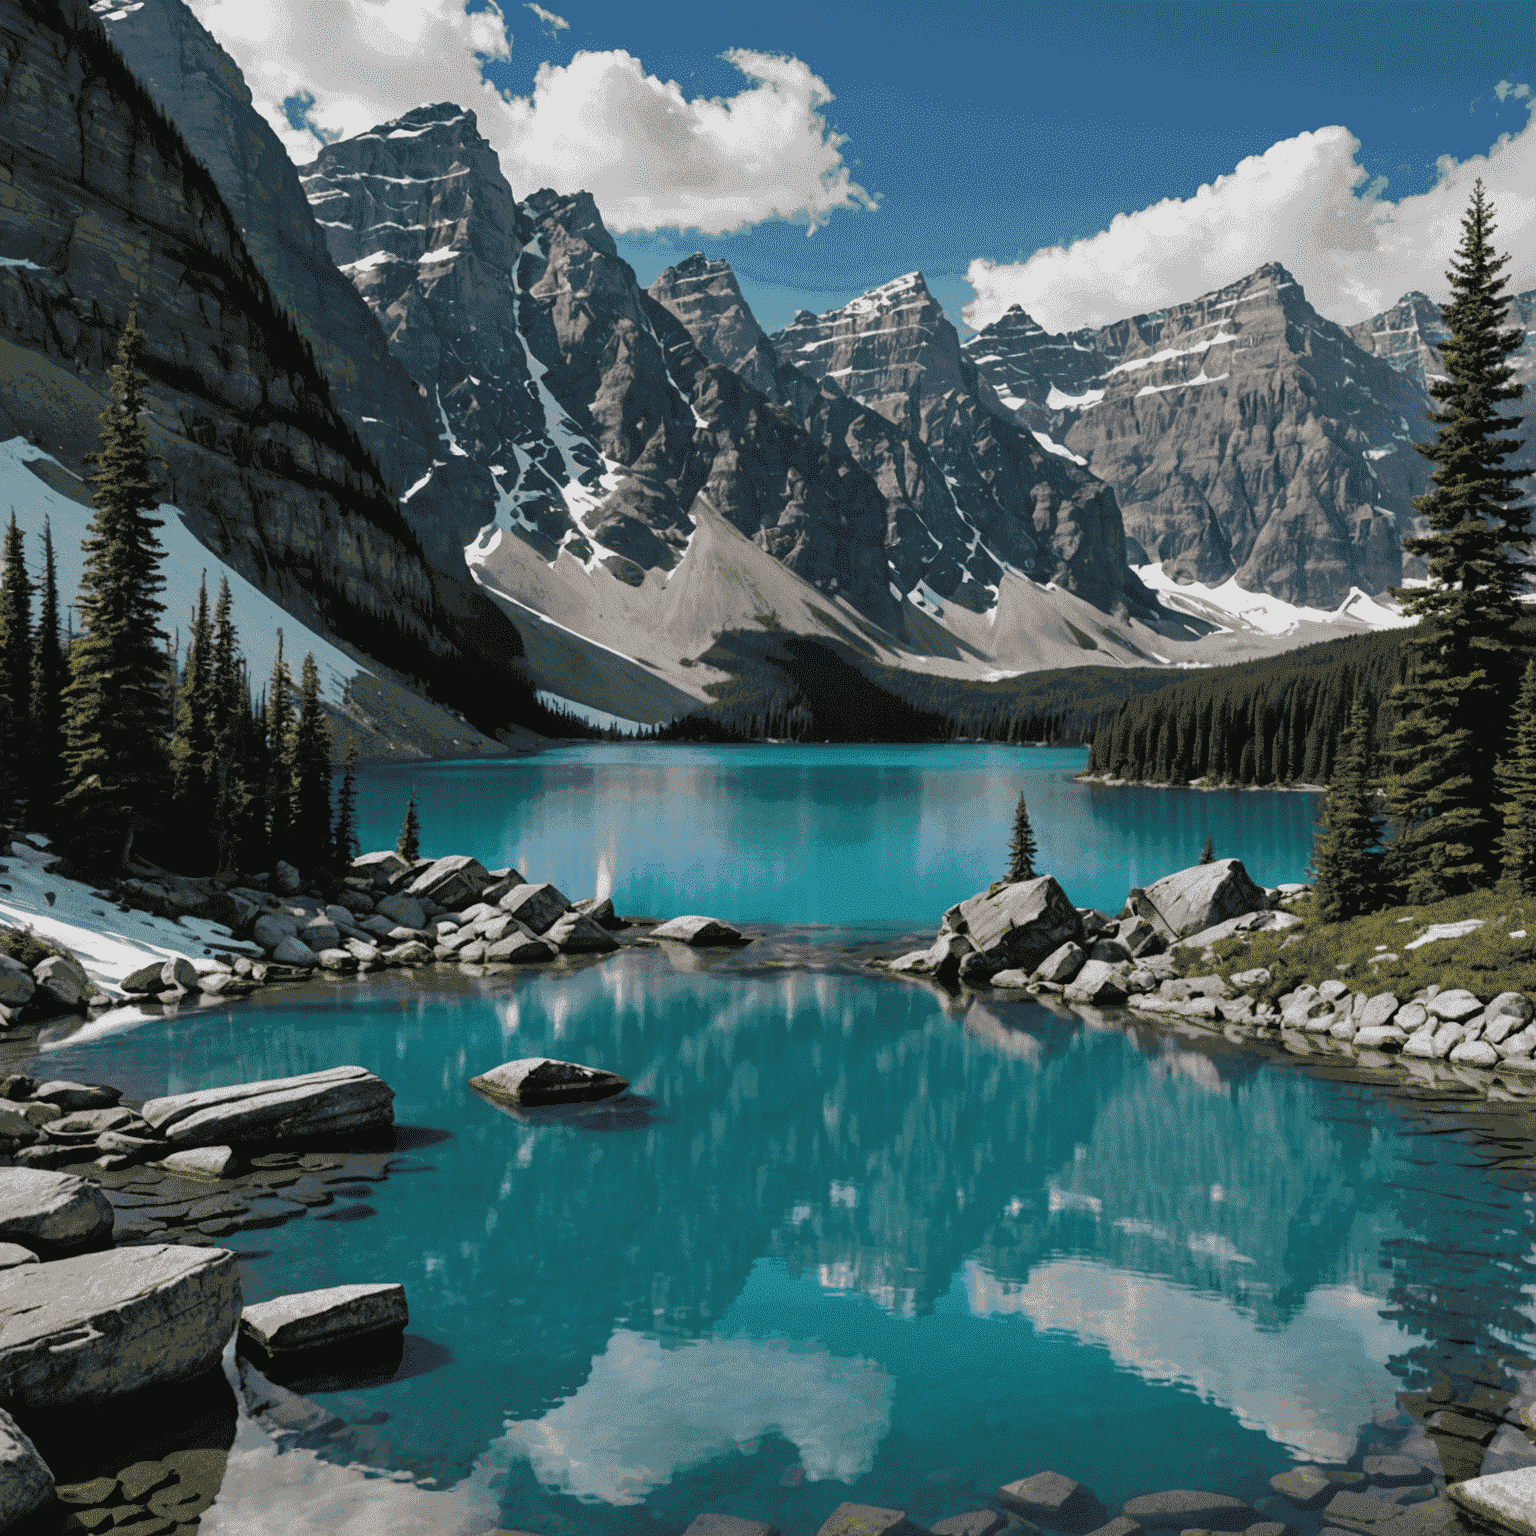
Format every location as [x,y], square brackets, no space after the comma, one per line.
[1305,203]
[1506,88]
[652,157]
[551,23]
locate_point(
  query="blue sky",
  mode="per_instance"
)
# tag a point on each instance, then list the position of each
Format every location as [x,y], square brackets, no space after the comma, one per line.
[987,132]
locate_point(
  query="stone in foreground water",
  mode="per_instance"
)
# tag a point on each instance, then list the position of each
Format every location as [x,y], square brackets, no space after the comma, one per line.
[312,1319]
[51,1211]
[532,1081]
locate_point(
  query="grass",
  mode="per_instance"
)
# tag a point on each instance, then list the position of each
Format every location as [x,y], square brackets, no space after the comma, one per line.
[1487,961]
[24,945]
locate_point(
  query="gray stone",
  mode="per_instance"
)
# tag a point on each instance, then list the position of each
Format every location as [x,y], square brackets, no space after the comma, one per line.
[916,963]
[601,912]
[55,965]
[1377,1011]
[519,947]
[1411,1017]
[26,1484]
[338,1101]
[1306,1487]
[1141,938]
[1051,1497]
[1474,1053]
[16,1131]
[1099,982]
[286,878]
[412,952]
[1505,1500]
[362,951]
[337,960]
[1247,922]
[405,911]
[1333,989]
[1180,1508]
[577,934]
[947,953]
[1111,951]
[59,988]
[379,867]
[974,1522]
[1205,894]
[99,1325]
[212,1162]
[1360,1512]
[867,1520]
[12,1254]
[1393,1471]
[536,907]
[320,933]
[50,1211]
[460,937]
[536,1080]
[311,1319]
[1520,1044]
[732,1525]
[1022,924]
[145,980]
[701,932]
[502,885]
[83,1125]
[1062,964]
[17,987]
[451,882]
[1380,1037]
[1121,1525]
[1249,980]
[1455,1005]
[294,952]
[271,928]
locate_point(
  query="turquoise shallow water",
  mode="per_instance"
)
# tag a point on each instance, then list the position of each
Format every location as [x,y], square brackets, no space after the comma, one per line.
[822,834]
[850,1239]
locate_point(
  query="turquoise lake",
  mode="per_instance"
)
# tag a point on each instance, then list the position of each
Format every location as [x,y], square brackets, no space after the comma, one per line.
[822,834]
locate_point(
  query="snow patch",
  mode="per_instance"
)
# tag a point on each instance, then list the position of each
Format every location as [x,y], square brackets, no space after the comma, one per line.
[1259,610]
[21,262]
[1057,401]
[1052,446]
[377,259]
[1171,352]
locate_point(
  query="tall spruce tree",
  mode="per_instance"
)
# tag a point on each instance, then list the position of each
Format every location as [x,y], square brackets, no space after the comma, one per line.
[1453,708]
[194,748]
[345,840]
[278,786]
[1346,855]
[408,844]
[114,702]
[1021,846]
[46,763]
[15,671]
[1208,851]
[312,833]
[1517,778]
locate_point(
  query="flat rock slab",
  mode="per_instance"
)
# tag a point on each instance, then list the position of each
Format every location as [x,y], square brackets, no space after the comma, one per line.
[96,1326]
[12,1254]
[535,1080]
[26,1484]
[1393,1471]
[341,1101]
[51,1211]
[1503,1499]
[1360,1512]
[202,1162]
[1053,1498]
[1123,1525]
[974,1522]
[312,1319]
[1181,1508]
[867,1520]
[729,1525]
[1305,1487]
[703,932]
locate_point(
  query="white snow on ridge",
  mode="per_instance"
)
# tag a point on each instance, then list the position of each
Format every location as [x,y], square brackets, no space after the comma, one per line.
[1171,352]
[1259,610]
[257,617]
[19,261]
[1057,401]
[1051,446]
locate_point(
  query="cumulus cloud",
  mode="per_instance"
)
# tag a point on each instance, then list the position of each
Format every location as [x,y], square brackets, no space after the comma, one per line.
[1507,88]
[1305,202]
[652,157]
[550,22]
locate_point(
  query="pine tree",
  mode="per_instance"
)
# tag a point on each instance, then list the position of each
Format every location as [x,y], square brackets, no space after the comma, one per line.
[1346,855]
[1208,852]
[227,680]
[49,671]
[1453,708]
[408,846]
[278,786]
[1021,846]
[16,645]
[1517,778]
[312,834]
[115,758]
[345,840]
[194,746]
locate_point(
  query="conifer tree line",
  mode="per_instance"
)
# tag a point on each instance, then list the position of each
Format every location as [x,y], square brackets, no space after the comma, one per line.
[112,745]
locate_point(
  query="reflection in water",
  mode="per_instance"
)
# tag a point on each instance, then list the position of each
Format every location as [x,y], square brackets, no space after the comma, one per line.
[855,1234]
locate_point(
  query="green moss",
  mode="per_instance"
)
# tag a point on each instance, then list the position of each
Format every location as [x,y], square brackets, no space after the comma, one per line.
[23,945]
[1487,961]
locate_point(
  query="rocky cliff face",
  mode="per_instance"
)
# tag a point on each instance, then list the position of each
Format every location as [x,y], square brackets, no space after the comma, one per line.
[1244,435]
[104,206]
[1005,502]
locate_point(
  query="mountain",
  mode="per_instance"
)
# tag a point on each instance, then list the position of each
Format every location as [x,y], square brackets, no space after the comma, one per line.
[1246,437]
[107,207]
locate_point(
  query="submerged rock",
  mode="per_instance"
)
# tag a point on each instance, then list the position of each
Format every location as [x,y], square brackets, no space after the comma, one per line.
[1054,1498]
[51,1211]
[536,1080]
[701,932]
[313,1319]
[343,1100]
[867,1520]
[1183,1508]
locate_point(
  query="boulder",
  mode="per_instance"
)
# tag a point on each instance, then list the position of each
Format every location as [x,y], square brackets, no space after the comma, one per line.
[915,963]
[320,933]
[1003,979]
[1504,1500]
[313,1319]
[202,1162]
[461,936]
[294,952]
[84,1125]
[16,1131]
[380,867]
[1455,1005]
[17,987]
[733,1525]
[1141,938]
[51,1212]
[1394,1471]
[1099,982]
[576,934]
[536,1080]
[161,976]
[411,952]
[1379,1037]
[501,885]
[601,912]
[520,947]
[1021,924]
[342,1100]
[1062,964]
[701,932]
[403,911]
[67,965]
[1377,1011]
[1474,1053]
[943,957]
[337,959]
[1305,1487]
[12,1254]
[1053,1498]
[271,928]
[1139,905]
[1193,899]
[1182,1508]
[1248,922]
[1110,951]
[451,882]
[867,1520]
[536,907]
[58,990]
[974,1522]
[285,878]
[99,1325]
[1520,1044]
[26,1484]
[1506,1015]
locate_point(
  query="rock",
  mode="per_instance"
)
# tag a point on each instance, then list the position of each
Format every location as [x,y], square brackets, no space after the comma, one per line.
[147,979]
[1393,1471]
[1055,1499]
[96,1326]
[1521,1044]
[67,965]
[1251,980]
[456,940]
[946,954]
[1180,1508]
[52,1212]
[1305,1487]
[285,878]
[451,882]
[701,932]
[1505,1500]
[405,911]
[520,947]
[1121,1525]
[380,867]
[84,1125]
[601,912]
[320,933]
[915,963]
[1196,898]
[1006,980]
[16,1131]
[412,952]
[12,1254]
[974,1522]
[577,934]
[1359,1512]
[1380,1037]
[271,928]
[17,987]
[337,960]
[342,1100]
[1022,924]
[294,952]
[867,1520]
[1140,938]
[1377,1011]
[731,1525]
[1099,982]
[535,1080]
[1110,951]
[212,1162]
[1248,922]
[1455,1005]
[59,989]
[1474,1053]
[473,953]
[501,886]
[311,1319]
[26,1484]
[536,907]
[1333,990]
